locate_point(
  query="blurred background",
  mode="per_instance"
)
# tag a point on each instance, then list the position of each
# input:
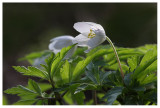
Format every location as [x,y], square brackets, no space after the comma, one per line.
[28,27]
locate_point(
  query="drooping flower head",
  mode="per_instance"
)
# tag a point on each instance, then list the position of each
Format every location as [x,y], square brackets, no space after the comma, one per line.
[60,42]
[92,34]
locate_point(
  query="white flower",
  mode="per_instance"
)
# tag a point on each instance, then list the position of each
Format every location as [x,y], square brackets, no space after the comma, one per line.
[60,42]
[92,34]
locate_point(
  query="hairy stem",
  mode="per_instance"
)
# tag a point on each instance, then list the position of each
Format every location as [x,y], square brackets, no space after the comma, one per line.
[115,52]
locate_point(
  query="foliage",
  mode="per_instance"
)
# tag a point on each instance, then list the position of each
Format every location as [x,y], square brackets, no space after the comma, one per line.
[71,81]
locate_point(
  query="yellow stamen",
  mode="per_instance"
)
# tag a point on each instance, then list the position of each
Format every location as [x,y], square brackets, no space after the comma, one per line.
[91,34]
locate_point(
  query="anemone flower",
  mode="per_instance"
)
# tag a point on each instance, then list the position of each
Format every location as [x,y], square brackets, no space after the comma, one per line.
[60,42]
[92,34]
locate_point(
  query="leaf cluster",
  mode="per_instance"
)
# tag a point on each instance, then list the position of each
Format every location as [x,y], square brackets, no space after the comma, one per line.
[71,81]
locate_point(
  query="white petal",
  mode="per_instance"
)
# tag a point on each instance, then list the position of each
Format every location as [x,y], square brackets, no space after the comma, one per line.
[92,43]
[97,26]
[81,40]
[60,42]
[82,27]
[96,41]
[65,37]
[51,45]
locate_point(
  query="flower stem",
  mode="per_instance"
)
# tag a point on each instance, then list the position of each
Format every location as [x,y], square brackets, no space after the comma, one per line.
[115,52]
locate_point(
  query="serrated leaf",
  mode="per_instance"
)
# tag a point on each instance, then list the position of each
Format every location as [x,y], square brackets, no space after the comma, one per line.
[41,73]
[104,75]
[20,90]
[44,66]
[49,60]
[79,69]
[31,71]
[112,95]
[132,62]
[85,86]
[80,88]
[32,84]
[91,76]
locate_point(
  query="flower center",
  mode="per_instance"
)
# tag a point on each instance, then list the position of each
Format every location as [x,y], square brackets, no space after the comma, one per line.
[91,34]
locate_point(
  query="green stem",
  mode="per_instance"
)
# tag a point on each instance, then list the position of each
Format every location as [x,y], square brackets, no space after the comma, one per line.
[57,95]
[94,97]
[115,52]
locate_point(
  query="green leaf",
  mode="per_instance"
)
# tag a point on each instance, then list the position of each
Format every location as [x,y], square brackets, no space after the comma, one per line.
[90,72]
[26,102]
[114,79]
[85,86]
[149,55]
[81,88]
[49,61]
[112,95]
[68,99]
[31,71]
[79,69]
[139,70]
[44,86]
[150,78]
[103,76]
[58,58]
[57,76]
[78,97]
[32,56]
[43,74]
[65,72]
[141,88]
[127,79]
[151,96]
[32,84]
[133,62]
[20,90]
